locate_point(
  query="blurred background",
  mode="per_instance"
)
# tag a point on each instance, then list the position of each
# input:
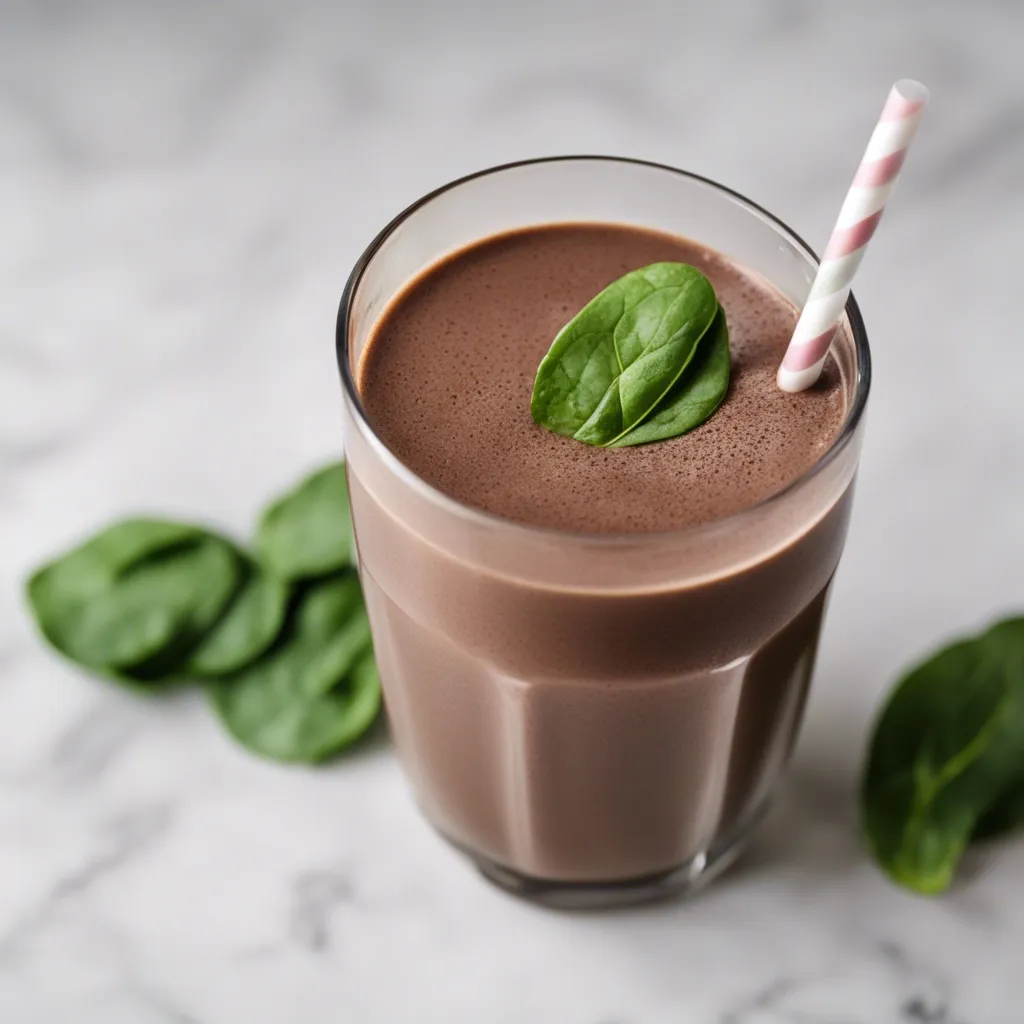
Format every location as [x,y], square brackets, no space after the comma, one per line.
[184,188]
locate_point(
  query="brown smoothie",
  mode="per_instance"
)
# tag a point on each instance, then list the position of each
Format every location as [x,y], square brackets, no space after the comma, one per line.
[569,728]
[448,374]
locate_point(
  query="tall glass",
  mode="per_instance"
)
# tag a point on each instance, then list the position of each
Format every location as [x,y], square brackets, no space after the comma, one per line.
[592,719]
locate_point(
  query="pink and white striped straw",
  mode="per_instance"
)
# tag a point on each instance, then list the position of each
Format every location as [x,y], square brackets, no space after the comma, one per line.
[861,212]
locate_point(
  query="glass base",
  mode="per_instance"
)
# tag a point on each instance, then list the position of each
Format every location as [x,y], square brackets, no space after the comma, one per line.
[683,880]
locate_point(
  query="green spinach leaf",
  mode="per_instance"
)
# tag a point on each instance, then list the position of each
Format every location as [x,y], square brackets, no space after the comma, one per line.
[317,691]
[694,397]
[308,532]
[946,747]
[94,565]
[326,606]
[133,592]
[338,655]
[112,631]
[363,696]
[250,625]
[614,362]
[1006,815]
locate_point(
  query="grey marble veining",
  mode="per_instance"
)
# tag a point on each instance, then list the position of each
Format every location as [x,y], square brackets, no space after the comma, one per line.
[183,189]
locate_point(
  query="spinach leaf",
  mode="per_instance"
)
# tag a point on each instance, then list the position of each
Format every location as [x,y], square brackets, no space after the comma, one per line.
[133,592]
[946,747]
[1006,815]
[614,362]
[364,699]
[112,631]
[92,566]
[694,397]
[317,691]
[337,655]
[308,532]
[326,606]
[1006,641]
[250,625]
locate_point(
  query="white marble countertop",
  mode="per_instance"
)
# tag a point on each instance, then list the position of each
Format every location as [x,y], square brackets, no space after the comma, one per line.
[183,189]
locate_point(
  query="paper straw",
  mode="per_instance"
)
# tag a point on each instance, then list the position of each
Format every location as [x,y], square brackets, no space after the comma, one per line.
[861,212]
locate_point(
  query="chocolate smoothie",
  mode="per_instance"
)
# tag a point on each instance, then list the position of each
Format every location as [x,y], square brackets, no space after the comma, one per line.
[447,377]
[561,719]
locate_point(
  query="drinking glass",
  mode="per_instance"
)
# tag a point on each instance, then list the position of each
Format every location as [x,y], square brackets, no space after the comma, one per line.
[592,719]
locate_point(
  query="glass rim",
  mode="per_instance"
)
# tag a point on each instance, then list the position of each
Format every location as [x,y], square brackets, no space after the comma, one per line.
[862,384]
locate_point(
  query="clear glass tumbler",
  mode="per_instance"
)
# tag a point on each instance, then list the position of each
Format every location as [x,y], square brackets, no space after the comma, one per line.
[571,767]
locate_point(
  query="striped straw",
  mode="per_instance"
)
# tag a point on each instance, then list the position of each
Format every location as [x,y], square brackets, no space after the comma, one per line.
[861,212]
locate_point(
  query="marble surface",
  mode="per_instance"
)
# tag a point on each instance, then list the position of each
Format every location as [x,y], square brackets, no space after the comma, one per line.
[183,189]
